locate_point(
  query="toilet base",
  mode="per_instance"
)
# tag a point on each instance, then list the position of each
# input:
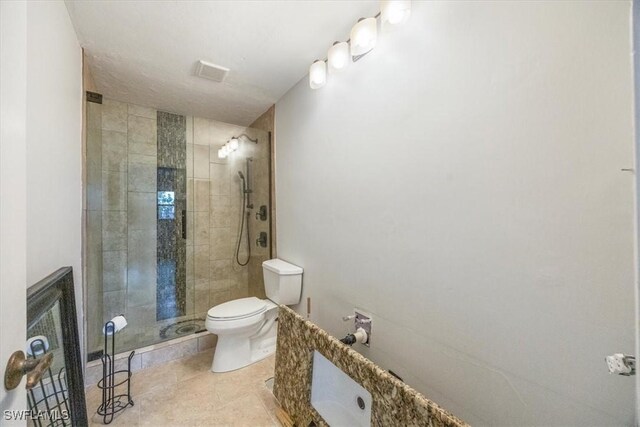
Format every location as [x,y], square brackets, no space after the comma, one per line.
[233,352]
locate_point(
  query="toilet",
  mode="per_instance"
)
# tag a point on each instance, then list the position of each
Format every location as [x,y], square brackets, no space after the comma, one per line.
[246,327]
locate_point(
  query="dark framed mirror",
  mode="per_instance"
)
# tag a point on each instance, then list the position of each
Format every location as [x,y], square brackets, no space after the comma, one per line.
[52,327]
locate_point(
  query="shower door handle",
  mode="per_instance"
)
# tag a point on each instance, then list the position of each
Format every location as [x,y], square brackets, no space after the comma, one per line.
[184,224]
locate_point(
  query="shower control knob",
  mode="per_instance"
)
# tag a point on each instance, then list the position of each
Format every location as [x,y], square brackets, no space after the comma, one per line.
[262,213]
[262,239]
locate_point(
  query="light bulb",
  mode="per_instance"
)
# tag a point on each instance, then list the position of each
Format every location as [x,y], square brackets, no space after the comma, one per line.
[234,144]
[317,74]
[338,57]
[394,12]
[364,36]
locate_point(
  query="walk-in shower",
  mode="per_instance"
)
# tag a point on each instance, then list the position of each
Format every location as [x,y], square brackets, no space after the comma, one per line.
[163,239]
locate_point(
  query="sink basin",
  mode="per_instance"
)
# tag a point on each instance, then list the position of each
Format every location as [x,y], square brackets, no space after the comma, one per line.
[338,399]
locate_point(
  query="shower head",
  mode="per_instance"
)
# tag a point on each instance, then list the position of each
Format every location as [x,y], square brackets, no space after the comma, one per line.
[241,175]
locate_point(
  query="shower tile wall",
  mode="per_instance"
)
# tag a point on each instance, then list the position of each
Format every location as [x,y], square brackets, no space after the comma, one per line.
[215,209]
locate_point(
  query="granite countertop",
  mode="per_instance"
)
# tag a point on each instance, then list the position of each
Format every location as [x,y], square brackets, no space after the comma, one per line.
[394,402]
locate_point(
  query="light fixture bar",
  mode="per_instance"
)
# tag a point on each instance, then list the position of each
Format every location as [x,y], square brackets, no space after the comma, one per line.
[363,39]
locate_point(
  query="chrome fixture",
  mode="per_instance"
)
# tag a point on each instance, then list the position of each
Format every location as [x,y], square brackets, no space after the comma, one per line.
[621,364]
[362,324]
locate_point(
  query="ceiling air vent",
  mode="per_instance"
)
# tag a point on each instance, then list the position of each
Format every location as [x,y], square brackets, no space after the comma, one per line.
[210,71]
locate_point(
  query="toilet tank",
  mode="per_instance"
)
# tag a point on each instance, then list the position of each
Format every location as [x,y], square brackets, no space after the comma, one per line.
[282,281]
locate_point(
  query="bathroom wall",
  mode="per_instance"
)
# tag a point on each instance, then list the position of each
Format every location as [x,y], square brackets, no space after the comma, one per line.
[463,183]
[53,145]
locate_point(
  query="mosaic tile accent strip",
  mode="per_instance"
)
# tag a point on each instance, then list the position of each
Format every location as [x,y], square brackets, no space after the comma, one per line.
[394,402]
[172,202]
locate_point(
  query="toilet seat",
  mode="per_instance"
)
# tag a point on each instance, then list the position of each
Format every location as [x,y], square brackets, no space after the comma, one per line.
[237,309]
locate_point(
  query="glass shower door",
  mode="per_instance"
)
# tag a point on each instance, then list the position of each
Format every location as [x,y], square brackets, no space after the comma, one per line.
[172,228]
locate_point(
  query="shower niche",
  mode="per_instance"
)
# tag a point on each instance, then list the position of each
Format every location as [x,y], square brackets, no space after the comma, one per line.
[172,229]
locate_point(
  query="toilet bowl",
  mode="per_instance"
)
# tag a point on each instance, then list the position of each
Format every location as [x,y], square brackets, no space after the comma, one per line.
[246,327]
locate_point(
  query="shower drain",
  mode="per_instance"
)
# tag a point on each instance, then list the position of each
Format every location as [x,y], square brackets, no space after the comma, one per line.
[184,327]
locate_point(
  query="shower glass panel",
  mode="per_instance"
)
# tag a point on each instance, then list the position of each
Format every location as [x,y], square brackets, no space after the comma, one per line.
[171,228]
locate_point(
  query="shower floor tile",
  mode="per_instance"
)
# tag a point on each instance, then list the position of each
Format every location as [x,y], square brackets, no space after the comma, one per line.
[185,392]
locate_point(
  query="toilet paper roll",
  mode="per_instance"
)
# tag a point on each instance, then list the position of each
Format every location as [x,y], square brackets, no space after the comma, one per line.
[119,322]
[37,345]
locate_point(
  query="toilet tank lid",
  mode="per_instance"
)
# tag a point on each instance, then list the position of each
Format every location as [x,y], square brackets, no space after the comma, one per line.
[281,267]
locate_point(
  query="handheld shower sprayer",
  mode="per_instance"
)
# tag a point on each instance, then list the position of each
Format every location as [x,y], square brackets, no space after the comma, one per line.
[244,218]
[244,182]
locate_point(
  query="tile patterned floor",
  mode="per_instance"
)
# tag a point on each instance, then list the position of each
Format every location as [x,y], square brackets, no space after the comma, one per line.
[186,393]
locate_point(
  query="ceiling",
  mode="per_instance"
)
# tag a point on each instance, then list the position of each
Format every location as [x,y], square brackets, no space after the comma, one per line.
[145,52]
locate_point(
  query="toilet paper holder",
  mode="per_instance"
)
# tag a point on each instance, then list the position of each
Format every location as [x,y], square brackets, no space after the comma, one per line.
[112,380]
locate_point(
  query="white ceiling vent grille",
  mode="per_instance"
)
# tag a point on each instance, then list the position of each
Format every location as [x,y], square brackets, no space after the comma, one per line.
[210,71]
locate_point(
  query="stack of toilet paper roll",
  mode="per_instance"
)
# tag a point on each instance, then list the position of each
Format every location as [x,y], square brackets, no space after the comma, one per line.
[119,322]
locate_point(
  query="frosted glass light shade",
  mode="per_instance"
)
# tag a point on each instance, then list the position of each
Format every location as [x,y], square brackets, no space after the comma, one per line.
[317,74]
[233,144]
[364,36]
[338,57]
[394,13]
[222,153]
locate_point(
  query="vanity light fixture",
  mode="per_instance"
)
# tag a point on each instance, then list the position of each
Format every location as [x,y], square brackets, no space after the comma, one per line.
[364,36]
[338,57]
[394,13]
[318,74]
